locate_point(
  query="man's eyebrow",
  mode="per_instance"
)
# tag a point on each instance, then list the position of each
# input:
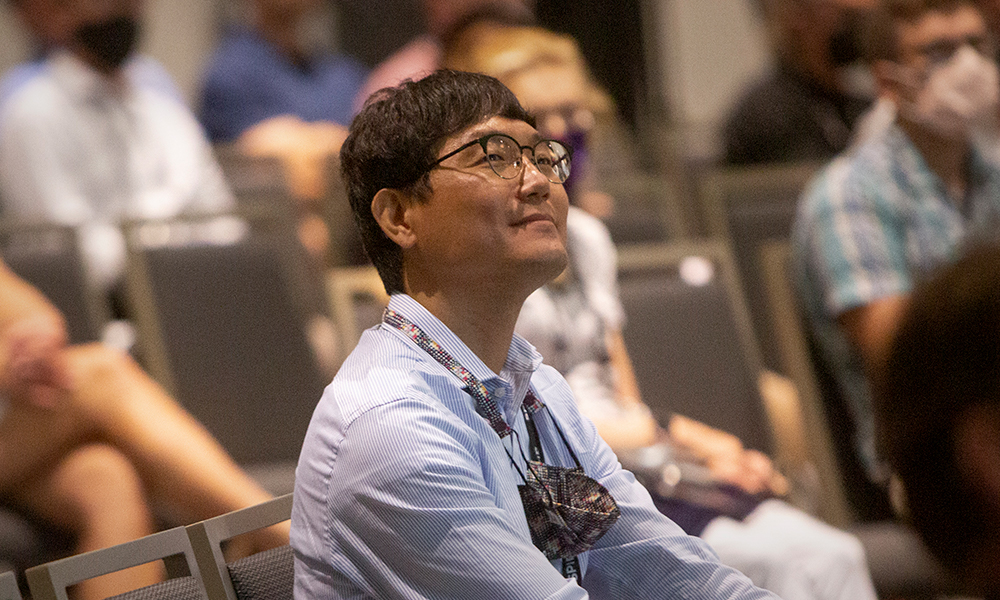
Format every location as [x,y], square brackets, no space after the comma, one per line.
[473,135]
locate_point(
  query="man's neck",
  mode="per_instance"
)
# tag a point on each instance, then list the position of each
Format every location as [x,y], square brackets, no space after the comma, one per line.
[482,316]
[946,156]
[280,30]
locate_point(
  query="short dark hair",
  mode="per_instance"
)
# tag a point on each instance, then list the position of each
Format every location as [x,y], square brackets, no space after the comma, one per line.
[397,136]
[945,359]
[881,36]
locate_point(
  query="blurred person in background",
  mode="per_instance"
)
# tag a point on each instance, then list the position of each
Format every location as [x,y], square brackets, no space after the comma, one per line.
[87,141]
[904,202]
[938,416]
[277,67]
[423,54]
[275,89]
[91,445]
[575,323]
[807,107]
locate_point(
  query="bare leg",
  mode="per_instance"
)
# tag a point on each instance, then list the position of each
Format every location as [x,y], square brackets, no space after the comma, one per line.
[180,463]
[114,402]
[95,492]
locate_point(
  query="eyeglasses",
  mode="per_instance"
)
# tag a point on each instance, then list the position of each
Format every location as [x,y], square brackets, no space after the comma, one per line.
[506,156]
[941,51]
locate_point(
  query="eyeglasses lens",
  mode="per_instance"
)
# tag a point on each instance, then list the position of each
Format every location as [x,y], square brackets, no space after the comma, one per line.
[550,157]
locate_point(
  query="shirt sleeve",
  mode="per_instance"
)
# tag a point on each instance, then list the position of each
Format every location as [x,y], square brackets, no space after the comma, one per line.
[858,245]
[645,554]
[419,521]
[595,261]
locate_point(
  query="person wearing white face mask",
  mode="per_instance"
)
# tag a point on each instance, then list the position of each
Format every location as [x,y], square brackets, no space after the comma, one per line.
[905,201]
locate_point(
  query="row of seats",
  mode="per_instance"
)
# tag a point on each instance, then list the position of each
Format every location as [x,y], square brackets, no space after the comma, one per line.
[194,559]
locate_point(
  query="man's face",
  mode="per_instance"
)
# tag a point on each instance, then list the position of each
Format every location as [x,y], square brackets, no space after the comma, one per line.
[82,12]
[930,39]
[492,229]
[556,95]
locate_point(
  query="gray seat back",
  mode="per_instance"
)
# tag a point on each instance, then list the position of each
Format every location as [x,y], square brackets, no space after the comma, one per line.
[51,580]
[747,207]
[267,575]
[225,325]
[690,339]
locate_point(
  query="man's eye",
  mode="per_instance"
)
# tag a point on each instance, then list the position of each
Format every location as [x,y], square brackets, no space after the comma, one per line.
[493,158]
[543,160]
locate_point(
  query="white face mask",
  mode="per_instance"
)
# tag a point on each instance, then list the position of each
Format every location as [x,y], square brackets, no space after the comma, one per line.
[955,96]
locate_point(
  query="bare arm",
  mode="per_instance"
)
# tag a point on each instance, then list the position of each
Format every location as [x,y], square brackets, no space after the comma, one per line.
[32,340]
[870,328]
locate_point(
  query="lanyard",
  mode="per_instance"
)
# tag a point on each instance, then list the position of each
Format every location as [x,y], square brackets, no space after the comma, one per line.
[570,566]
[486,407]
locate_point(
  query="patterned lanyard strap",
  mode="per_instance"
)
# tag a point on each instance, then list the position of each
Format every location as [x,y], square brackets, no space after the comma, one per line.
[485,406]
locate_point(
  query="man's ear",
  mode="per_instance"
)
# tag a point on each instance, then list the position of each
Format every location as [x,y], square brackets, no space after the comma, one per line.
[390,207]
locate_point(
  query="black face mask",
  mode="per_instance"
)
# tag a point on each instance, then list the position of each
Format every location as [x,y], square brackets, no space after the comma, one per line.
[110,42]
[845,45]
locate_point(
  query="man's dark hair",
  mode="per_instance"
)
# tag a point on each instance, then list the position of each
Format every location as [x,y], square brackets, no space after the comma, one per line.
[945,359]
[881,36]
[398,135]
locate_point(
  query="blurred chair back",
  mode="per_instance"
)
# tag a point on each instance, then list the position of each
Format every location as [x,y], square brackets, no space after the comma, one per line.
[345,241]
[251,178]
[357,299]
[792,348]
[25,541]
[690,338]
[646,210]
[48,257]
[747,207]
[8,586]
[226,320]
[267,575]
[51,580]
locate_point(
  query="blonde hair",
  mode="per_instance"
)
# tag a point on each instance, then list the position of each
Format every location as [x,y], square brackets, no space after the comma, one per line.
[504,52]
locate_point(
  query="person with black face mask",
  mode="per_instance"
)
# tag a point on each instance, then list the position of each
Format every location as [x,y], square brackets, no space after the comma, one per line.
[807,107]
[98,134]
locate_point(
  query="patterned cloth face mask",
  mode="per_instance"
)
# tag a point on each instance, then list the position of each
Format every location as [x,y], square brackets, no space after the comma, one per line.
[567,511]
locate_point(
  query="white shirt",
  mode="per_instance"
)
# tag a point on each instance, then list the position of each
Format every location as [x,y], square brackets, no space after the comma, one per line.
[78,148]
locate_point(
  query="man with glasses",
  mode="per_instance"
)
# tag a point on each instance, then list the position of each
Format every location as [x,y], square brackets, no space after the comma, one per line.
[906,201]
[445,461]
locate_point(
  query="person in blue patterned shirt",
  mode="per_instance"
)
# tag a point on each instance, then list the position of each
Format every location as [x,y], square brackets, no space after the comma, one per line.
[903,202]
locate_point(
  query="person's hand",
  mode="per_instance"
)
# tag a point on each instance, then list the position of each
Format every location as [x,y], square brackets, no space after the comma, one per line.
[33,361]
[726,458]
[750,470]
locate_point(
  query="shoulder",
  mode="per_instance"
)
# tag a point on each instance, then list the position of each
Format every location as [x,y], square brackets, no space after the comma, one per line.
[18,76]
[34,101]
[771,99]
[146,73]
[240,50]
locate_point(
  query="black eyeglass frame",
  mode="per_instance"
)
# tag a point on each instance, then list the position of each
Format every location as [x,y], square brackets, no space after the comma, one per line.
[482,141]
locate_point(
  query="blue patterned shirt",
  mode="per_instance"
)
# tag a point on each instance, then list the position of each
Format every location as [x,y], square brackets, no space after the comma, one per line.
[868,226]
[404,491]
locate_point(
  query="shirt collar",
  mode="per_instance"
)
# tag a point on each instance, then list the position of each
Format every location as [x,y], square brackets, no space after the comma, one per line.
[507,389]
[922,178]
[80,79]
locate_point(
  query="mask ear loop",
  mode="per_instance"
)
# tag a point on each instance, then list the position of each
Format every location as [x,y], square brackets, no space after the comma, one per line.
[563,436]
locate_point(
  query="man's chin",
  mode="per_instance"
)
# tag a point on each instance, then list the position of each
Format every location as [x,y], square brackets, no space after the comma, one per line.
[550,266]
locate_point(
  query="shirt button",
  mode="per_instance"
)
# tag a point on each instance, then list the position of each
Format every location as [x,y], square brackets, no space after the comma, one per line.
[500,393]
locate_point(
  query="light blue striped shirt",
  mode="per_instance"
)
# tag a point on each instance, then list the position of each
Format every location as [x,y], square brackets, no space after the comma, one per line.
[868,226]
[404,491]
